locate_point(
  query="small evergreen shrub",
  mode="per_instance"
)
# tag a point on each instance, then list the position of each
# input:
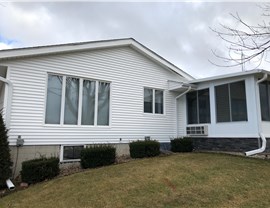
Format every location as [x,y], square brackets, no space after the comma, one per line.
[5,160]
[140,149]
[182,145]
[98,155]
[38,170]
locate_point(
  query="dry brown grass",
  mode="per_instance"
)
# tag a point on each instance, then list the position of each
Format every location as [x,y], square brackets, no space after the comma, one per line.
[181,180]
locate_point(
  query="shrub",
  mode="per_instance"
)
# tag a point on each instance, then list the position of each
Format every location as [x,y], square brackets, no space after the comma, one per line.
[37,170]
[140,149]
[97,155]
[182,145]
[5,161]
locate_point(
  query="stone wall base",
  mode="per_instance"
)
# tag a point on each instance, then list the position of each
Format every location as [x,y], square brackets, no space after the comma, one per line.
[228,144]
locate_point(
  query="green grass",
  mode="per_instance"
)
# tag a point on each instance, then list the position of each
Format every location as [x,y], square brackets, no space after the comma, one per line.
[180,180]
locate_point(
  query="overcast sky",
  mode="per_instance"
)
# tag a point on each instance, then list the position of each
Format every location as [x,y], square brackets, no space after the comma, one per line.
[178,31]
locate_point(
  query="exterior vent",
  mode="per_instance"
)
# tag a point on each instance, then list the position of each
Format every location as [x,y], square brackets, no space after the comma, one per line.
[197,130]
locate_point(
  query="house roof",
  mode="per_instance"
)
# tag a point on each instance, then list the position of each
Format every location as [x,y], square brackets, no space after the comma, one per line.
[92,45]
[225,76]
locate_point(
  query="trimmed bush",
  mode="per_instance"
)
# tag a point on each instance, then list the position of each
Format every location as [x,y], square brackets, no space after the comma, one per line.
[140,149]
[5,161]
[182,145]
[38,170]
[97,155]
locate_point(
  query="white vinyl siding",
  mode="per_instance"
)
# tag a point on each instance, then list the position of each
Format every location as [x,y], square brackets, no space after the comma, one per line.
[128,72]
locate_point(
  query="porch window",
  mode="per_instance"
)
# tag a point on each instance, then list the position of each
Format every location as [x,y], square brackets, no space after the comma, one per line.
[198,107]
[77,101]
[264,88]
[231,102]
[153,101]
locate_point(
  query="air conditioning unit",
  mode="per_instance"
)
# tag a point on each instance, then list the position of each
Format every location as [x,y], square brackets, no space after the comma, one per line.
[197,130]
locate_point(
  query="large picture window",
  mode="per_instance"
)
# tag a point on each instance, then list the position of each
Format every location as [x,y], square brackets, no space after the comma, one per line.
[264,88]
[231,102]
[198,107]
[77,101]
[153,101]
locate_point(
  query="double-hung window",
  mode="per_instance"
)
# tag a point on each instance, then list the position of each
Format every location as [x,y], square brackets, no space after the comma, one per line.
[265,100]
[77,101]
[153,101]
[198,107]
[231,102]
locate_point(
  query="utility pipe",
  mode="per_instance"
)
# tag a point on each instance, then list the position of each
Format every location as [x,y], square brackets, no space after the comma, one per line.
[262,137]
[189,88]
[10,185]
[8,107]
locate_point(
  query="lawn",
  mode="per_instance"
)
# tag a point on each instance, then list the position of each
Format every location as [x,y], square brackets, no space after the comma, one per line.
[179,180]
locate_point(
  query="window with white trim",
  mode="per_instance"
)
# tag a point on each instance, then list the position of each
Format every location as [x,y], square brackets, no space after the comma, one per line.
[264,88]
[198,107]
[231,102]
[77,101]
[71,153]
[153,101]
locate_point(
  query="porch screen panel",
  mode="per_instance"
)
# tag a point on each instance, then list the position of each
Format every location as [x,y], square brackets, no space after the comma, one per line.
[222,103]
[88,102]
[204,106]
[54,96]
[158,101]
[103,103]
[238,101]
[71,101]
[192,107]
[264,88]
[148,100]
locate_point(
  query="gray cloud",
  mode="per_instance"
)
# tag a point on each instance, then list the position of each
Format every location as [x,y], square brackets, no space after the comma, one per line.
[178,31]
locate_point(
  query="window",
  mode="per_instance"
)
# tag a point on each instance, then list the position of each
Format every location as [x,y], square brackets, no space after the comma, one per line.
[151,96]
[71,152]
[71,101]
[77,101]
[231,102]
[103,103]
[264,88]
[198,107]
[54,96]
[88,102]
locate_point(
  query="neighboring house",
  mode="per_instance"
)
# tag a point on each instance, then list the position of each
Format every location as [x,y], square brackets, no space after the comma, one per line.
[60,98]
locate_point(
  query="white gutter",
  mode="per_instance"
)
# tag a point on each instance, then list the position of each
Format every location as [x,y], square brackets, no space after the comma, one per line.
[263,147]
[8,107]
[176,115]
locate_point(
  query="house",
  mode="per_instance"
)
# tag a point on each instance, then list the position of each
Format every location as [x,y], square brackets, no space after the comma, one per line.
[57,99]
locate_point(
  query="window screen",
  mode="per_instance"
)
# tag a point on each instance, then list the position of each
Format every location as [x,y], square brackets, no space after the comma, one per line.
[159,101]
[148,100]
[88,102]
[103,103]
[192,103]
[264,88]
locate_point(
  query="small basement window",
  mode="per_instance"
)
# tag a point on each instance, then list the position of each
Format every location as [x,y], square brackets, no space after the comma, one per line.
[71,153]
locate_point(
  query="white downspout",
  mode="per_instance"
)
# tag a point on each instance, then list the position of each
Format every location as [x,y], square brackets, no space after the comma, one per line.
[10,185]
[263,147]
[189,88]
[8,107]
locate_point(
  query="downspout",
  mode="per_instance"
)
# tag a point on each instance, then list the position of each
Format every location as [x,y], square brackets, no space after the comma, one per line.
[8,107]
[189,88]
[263,147]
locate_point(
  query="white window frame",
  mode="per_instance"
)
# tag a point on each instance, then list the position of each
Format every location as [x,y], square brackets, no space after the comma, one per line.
[153,99]
[62,152]
[81,79]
